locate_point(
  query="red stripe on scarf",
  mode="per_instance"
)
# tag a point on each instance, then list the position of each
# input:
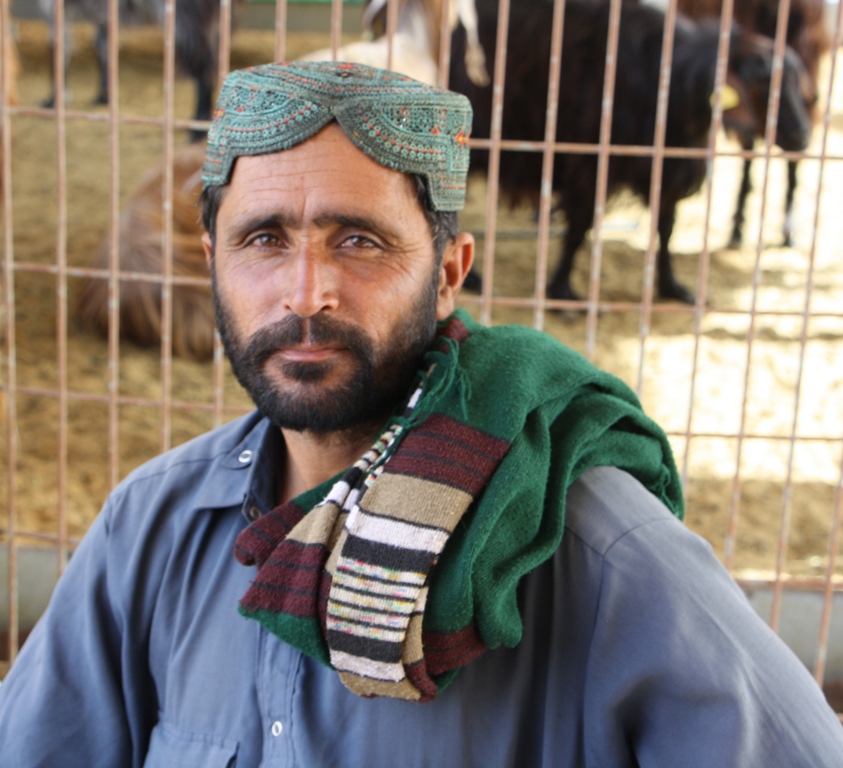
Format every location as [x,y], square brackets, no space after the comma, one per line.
[257,542]
[288,582]
[444,651]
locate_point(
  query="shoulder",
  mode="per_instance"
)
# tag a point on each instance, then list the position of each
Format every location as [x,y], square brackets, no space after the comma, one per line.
[606,504]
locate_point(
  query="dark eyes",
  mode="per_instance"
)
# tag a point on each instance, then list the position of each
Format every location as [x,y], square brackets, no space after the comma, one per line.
[358,241]
[270,240]
[265,240]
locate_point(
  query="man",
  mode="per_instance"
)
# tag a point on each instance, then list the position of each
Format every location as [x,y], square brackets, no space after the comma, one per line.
[457,546]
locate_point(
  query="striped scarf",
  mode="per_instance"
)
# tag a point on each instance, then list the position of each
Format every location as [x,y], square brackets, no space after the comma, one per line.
[405,568]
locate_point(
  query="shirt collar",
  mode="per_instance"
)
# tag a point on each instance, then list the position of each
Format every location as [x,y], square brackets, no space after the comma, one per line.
[252,468]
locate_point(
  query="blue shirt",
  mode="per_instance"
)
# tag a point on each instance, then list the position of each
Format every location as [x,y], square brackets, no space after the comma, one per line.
[638,649]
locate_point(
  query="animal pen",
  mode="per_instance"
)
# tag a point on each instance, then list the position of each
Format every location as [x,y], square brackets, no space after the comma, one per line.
[747,380]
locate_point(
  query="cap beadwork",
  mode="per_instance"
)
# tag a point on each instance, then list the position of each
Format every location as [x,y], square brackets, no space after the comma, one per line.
[399,122]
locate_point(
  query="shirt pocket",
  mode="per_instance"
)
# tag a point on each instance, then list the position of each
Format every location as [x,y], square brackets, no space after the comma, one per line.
[170,747]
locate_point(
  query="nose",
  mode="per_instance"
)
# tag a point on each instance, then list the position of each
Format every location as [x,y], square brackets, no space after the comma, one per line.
[310,284]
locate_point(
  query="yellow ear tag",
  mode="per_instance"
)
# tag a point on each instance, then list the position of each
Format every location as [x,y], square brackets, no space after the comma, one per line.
[728,97]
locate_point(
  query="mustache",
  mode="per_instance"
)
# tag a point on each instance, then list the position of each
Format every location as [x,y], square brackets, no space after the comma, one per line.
[317,329]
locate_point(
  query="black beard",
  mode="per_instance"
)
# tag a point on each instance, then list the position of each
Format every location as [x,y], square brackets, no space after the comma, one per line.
[378,383]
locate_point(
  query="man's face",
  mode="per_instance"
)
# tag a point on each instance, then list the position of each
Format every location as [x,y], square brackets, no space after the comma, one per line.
[325,283]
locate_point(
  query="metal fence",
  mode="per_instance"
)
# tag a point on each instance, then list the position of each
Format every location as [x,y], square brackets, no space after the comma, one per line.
[748,381]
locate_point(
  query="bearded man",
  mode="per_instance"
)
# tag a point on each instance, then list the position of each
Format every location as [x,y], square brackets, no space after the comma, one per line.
[457,546]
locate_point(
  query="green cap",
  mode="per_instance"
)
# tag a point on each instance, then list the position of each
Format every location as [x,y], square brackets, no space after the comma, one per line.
[399,122]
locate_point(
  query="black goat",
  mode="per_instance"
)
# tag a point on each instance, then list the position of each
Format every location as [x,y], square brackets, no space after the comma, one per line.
[634,115]
[197,33]
[808,35]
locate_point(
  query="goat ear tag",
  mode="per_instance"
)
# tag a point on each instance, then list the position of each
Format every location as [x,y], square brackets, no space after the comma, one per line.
[728,97]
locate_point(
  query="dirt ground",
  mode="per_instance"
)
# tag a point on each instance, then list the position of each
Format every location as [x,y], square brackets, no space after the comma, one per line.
[773,478]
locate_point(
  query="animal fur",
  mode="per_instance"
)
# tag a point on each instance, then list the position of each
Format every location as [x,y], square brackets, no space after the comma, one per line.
[808,35]
[141,227]
[415,45]
[634,111]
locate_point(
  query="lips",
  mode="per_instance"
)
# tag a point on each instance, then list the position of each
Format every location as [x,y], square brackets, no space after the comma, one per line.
[309,353]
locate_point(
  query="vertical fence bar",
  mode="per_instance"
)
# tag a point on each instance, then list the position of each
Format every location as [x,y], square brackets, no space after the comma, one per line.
[336,27]
[769,139]
[113,246]
[280,29]
[705,257]
[61,284]
[602,176]
[391,28]
[167,221]
[444,47]
[498,84]
[11,348]
[546,193]
[656,168]
[224,62]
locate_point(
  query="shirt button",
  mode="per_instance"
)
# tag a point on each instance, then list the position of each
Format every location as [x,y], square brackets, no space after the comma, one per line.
[245,457]
[277,728]
[254,513]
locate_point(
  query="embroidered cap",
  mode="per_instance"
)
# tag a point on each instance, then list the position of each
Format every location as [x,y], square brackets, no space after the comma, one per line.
[399,122]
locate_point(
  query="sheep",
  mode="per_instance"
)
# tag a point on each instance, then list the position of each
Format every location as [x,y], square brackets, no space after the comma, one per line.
[808,35]
[196,39]
[415,44]
[633,120]
[140,235]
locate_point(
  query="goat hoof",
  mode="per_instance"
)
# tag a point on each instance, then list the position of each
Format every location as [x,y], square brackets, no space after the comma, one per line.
[473,282]
[101,100]
[787,241]
[49,103]
[677,292]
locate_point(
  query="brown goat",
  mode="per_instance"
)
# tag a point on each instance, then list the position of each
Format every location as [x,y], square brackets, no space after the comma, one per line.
[141,227]
[808,35]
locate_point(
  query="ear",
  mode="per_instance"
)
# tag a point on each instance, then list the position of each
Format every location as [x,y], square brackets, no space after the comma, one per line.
[209,249]
[456,261]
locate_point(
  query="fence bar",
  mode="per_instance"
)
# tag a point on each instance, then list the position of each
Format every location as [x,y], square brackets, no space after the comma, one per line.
[280,29]
[11,347]
[656,185]
[546,193]
[705,257]
[769,138]
[391,28]
[602,175]
[61,287]
[167,222]
[444,47]
[336,27]
[498,84]
[113,244]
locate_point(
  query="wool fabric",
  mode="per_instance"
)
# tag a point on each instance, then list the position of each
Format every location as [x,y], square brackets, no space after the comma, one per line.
[405,567]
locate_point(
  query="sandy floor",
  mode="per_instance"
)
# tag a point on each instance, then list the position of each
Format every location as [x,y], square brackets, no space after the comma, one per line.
[770,471]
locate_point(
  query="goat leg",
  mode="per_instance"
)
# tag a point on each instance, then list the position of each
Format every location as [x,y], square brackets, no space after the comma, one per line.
[788,204]
[738,220]
[560,285]
[669,288]
[101,49]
